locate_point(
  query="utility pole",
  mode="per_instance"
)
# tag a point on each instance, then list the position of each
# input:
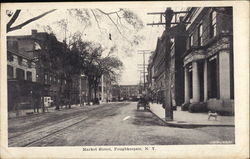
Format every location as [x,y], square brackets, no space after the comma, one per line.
[168,14]
[102,88]
[140,82]
[143,52]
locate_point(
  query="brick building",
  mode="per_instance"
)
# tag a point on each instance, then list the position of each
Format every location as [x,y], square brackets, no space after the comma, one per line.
[178,40]
[157,70]
[115,92]
[33,53]
[208,59]
[129,92]
[21,74]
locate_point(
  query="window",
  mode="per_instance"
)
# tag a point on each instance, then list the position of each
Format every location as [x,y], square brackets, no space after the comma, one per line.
[29,76]
[10,72]
[10,58]
[200,32]
[29,64]
[20,60]
[191,41]
[45,79]
[213,74]
[213,24]
[19,74]
[15,45]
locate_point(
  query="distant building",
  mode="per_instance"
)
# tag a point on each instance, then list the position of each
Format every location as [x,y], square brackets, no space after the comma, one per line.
[208,59]
[115,92]
[129,92]
[105,89]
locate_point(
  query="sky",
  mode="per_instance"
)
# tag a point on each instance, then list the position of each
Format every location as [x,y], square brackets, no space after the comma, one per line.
[126,53]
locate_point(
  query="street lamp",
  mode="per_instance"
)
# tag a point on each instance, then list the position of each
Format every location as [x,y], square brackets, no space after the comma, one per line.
[80,89]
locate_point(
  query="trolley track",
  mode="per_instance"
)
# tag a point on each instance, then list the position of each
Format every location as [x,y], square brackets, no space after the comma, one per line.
[67,116]
[28,138]
[56,132]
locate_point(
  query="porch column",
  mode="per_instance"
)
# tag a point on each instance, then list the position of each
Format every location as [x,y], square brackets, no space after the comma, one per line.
[187,95]
[224,74]
[205,81]
[196,83]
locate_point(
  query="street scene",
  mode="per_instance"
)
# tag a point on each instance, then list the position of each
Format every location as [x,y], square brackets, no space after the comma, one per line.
[108,124]
[120,76]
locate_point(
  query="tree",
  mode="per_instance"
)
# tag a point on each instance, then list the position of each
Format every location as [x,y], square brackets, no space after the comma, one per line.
[110,67]
[114,26]
[15,16]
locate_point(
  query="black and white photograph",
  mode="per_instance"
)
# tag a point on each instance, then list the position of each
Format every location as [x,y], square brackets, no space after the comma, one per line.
[120,77]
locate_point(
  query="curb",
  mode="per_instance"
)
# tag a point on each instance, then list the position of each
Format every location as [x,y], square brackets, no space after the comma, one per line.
[187,125]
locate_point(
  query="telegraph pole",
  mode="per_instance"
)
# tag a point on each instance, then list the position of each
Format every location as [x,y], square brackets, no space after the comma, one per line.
[168,14]
[143,52]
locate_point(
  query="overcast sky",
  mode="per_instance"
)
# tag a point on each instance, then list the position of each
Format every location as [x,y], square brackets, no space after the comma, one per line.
[127,54]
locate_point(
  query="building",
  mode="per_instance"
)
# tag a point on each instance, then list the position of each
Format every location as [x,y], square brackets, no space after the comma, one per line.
[21,75]
[115,92]
[105,89]
[208,59]
[129,92]
[37,58]
[157,67]
[178,40]
[158,63]
[84,89]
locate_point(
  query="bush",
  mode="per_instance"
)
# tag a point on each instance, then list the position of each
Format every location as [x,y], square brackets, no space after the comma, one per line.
[96,101]
[185,106]
[197,107]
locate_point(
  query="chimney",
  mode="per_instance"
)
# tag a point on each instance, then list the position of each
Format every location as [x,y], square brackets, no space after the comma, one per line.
[33,32]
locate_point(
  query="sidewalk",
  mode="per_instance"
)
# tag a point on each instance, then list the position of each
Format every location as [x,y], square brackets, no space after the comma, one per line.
[30,112]
[186,119]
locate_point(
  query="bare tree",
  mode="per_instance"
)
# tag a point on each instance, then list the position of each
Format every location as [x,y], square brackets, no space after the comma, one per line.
[15,16]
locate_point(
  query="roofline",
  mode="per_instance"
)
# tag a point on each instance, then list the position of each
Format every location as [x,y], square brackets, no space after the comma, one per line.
[19,55]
